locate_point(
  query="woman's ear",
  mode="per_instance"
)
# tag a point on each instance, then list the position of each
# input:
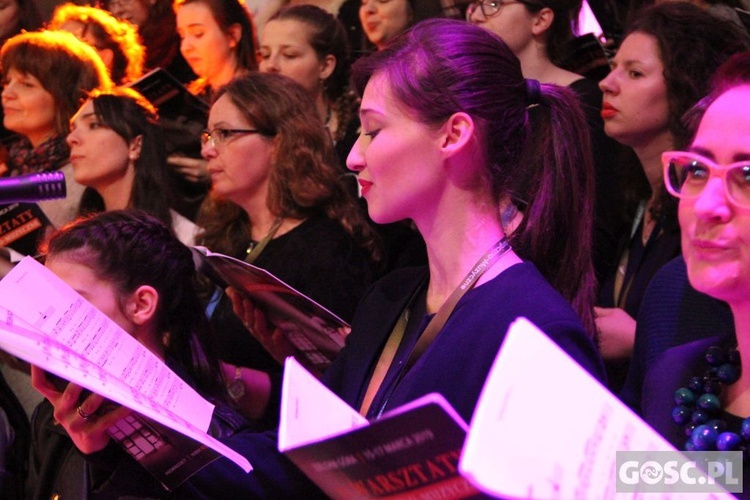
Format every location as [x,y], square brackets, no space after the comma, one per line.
[141,305]
[327,65]
[458,131]
[542,21]
[135,147]
[235,34]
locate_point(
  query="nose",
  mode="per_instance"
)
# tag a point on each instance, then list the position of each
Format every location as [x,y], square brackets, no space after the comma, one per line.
[185,45]
[473,13]
[608,84]
[712,203]
[368,6]
[355,161]
[208,151]
[8,91]
[72,139]
[270,64]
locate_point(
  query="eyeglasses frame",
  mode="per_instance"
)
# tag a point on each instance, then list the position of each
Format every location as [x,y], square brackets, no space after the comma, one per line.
[714,170]
[214,137]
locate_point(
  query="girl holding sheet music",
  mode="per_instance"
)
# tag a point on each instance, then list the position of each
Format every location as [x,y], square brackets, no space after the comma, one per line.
[133,269]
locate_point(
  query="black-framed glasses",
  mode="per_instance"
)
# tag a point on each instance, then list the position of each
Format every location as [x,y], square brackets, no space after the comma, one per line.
[219,136]
[490,8]
[687,174]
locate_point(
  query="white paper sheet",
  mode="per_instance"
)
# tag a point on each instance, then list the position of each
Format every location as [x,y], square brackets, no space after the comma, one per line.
[310,411]
[48,324]
[544,428]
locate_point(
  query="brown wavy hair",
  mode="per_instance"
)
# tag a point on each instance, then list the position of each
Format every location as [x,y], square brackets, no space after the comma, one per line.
[304,180]
[66,67]
[692,45]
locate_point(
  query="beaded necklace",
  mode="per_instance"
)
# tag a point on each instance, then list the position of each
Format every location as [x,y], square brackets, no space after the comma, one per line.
[699,406]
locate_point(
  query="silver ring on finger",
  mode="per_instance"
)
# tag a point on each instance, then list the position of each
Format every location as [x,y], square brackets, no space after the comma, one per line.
[85,416]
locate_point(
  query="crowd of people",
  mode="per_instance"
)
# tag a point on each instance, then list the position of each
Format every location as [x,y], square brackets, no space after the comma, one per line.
[428,171]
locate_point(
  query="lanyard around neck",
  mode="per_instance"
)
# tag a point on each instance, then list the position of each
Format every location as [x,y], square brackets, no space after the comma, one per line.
[257,249]
[430,332]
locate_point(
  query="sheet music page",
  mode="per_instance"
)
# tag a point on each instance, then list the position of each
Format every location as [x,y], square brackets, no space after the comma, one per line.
[310,411]
[20,339]
[544,428]
[65,316]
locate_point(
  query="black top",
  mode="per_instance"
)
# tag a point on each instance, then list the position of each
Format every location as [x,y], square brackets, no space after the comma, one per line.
[644,261]
[672,313]
[319,259]
[610,210]
[672,370]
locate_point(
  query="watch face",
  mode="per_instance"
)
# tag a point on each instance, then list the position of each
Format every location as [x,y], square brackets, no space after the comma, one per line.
[236,389]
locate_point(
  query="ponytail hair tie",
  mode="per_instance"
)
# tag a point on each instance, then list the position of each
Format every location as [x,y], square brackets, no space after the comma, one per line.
[533,92]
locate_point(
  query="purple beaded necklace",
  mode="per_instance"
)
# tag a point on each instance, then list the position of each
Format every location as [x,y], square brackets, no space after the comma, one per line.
[698,406]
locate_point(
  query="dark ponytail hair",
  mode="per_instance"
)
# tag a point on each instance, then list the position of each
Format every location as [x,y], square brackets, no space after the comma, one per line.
[535,139]
[556,232]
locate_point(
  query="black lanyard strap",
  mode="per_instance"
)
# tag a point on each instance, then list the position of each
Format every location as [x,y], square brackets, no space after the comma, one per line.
[430,332]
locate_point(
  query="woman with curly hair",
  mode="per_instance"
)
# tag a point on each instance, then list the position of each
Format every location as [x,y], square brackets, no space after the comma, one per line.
[157,27]
[663,67]
[277,199]
[115,41]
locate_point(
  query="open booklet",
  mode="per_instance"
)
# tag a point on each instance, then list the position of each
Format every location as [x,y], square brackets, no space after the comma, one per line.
[182,115]
[47,323]
[411,452]
[543,429]
[314,331]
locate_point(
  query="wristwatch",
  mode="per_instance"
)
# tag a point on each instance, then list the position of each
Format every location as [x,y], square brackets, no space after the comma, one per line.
[236,388]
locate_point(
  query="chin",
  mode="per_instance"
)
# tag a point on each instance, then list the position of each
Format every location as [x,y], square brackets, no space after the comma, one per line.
[616,133]
[381,217]
[721,282]
[11,125]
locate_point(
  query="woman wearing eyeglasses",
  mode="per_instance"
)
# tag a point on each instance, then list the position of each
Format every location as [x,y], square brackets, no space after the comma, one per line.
[277,199]
[711,180]
[537,32]
[663,67]
[218,40]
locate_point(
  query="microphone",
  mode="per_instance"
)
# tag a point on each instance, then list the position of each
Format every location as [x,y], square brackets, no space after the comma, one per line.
[32,187]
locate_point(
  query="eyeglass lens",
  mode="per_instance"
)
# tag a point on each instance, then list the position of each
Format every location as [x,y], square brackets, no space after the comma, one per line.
[688,176]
